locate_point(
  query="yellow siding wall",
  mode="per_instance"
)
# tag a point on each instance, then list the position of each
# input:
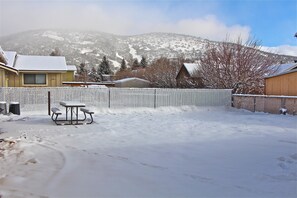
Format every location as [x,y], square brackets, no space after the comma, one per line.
[53,80]
[68,76]
[282,85]
[2,78]
[13,80]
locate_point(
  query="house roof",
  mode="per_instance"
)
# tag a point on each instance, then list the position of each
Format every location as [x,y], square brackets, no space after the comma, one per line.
[10,55]
[71,68]
[40,63]
[131,79]
[7,60]
[282,69]
[191,67]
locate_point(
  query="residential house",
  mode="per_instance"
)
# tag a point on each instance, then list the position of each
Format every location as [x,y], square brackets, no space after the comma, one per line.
[33,71]
[283,81]
[188,76]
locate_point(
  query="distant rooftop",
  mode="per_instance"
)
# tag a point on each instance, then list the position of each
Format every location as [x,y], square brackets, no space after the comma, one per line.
[191,67]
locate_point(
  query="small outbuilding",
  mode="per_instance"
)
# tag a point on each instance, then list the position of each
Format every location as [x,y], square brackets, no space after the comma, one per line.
[132,82]
[283,81]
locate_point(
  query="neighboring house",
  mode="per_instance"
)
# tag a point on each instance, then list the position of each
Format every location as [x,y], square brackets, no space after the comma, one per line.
[283,81]
[188,76]
[132,82]
[37,71]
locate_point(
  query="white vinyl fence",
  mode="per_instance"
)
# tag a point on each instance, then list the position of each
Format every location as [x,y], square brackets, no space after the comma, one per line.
[36,99]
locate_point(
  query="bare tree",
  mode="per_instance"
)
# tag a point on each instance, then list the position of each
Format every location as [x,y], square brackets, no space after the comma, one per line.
[162,73]
[238,66]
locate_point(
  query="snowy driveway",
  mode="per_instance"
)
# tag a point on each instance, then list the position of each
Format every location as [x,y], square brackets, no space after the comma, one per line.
[168,152]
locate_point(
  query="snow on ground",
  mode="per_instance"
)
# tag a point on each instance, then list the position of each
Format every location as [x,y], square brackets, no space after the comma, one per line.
[85,50]
[52,35]
[134,53]
[164,152]
[118,56]
[116,64]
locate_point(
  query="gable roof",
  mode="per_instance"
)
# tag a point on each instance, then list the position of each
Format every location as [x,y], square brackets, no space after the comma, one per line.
[14,62]
[10,55]
[40,63]
[7,60]
[191,67]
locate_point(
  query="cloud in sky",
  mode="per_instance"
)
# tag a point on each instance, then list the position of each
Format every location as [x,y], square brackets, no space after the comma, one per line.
[20,16]
[283,49]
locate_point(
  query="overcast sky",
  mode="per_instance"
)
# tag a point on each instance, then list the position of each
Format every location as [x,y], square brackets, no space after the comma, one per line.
[273,22]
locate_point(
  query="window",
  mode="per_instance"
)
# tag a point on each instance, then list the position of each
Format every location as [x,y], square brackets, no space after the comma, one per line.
[38,79]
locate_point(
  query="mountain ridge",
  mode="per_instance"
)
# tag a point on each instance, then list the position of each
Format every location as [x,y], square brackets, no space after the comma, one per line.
[90,46]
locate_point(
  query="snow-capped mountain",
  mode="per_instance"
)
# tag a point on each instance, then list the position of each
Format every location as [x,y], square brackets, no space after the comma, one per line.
[90,47]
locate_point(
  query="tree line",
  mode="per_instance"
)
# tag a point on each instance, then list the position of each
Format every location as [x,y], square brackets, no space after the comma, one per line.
[240,66]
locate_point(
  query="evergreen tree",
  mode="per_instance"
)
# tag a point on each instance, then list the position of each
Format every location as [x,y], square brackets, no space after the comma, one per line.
[143,62]
[83,72]
[94,75]
[123,65]
[82,68]
[104,67]
[135,64]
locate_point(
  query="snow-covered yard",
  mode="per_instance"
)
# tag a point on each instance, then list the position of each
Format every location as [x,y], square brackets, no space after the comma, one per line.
[164,152]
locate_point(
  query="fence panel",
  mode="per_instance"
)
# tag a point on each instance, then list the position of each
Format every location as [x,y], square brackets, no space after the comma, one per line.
[196,97]
[36,99]
[125,97]
[266,103]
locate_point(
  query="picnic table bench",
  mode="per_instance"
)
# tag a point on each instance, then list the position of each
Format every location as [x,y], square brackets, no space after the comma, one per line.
[74,118]
[87,111]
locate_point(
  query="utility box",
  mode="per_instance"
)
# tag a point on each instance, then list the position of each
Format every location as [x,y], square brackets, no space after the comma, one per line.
[14,107]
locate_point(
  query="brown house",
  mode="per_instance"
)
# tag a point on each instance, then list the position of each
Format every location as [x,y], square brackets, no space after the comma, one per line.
[283,81]
[188,76]
[33,71]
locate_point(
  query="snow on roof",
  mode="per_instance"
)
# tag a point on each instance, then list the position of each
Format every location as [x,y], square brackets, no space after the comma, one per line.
[130,79]
[191,67]
[282,68]
[10,55]
[97,86]
[40,63]
[71,68]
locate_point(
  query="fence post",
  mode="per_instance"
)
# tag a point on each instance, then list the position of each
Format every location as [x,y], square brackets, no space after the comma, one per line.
[283,103]
[49,102]
[155,98]
[108,97]
[254,103]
